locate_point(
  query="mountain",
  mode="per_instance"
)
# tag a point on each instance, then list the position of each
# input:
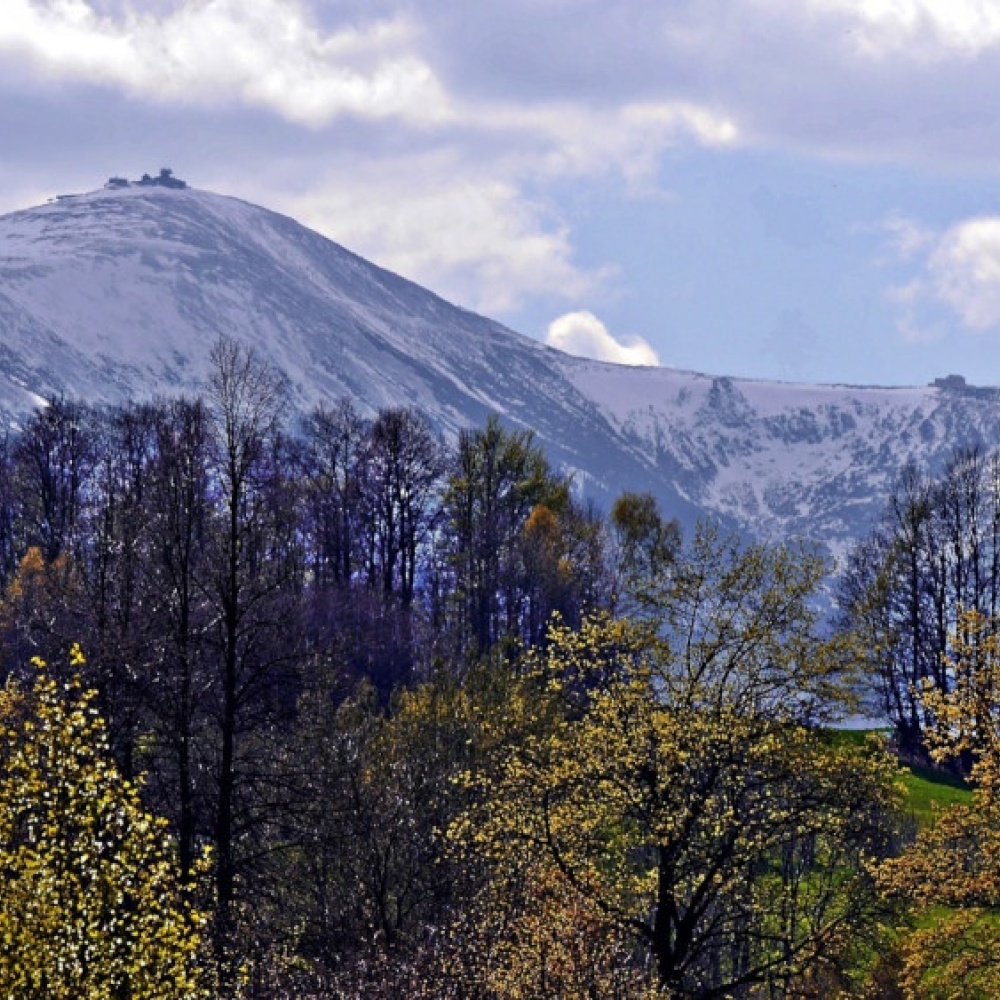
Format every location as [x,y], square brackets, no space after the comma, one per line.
[784,460]
[120,294]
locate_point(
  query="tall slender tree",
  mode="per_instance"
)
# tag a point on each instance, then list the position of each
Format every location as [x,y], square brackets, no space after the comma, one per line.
[179,682]
[404,463]
[498,479]
[53,456]
[253,560]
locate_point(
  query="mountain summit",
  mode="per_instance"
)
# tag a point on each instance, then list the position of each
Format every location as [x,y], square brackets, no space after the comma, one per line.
[120,294]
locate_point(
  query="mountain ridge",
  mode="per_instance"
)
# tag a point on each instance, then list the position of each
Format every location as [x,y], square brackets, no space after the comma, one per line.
[116,294]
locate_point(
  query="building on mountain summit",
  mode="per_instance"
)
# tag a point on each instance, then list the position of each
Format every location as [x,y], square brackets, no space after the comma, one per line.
[165,178]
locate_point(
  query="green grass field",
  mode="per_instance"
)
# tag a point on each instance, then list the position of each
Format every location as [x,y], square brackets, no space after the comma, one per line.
[927,791]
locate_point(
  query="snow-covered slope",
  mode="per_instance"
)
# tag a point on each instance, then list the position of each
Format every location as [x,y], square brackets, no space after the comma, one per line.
[783,459]
[120,294]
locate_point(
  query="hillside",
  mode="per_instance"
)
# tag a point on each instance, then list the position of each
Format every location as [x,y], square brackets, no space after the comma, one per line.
[119,294]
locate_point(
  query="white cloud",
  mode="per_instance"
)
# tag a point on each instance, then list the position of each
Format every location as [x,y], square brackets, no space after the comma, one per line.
[959,276]
[264,53]
[631,138]
[583,334]
[965,271]
[907,237]
[921,29]
[272,54]
[914,313]
[471,237]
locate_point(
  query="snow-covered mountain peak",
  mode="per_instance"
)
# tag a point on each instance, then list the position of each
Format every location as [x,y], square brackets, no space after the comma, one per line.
[120,293]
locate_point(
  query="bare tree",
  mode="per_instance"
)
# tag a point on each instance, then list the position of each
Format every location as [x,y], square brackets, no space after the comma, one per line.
[53,457]
[181,507]
[404,467]
[253,565]
[935,553]
[333,470]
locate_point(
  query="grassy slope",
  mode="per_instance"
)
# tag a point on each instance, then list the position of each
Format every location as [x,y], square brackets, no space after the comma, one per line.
[927,791]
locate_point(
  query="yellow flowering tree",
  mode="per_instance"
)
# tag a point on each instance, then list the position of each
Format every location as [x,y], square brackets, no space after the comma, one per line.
[90,901]
[951,874]
[671,787]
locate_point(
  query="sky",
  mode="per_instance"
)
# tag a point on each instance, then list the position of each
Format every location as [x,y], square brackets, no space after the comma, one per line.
[804,190]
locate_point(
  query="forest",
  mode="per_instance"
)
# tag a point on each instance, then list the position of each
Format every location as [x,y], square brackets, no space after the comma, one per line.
[332,709]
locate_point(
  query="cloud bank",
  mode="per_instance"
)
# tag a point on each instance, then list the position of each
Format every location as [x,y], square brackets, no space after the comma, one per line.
[964,272]
[958,276]
[584,335]
[557,79]
[450,147]
[266,53]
